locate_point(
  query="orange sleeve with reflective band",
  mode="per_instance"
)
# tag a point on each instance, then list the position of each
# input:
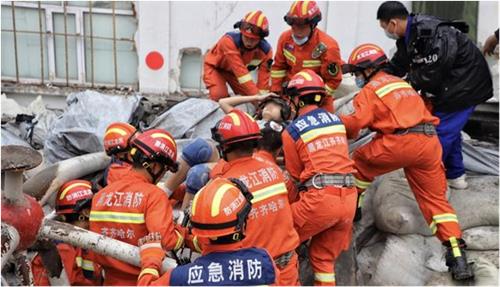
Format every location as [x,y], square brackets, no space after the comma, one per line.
[158,217]
[40,276]
[279,68]
[151,277]
[179,192]
[293,192]
[293,164]
[236,65]
[362,116]
[264,73]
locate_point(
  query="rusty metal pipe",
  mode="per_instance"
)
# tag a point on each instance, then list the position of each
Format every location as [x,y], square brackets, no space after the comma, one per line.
[98,243]
[15,39]
[10,241]
[23,268]
[13,189]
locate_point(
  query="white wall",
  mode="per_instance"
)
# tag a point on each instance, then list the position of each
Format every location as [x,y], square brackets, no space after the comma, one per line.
[487,21]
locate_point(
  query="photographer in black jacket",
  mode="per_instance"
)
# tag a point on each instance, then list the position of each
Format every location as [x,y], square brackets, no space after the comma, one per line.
[447,68]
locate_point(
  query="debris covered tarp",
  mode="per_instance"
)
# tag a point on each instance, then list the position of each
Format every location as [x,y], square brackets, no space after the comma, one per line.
[80,129]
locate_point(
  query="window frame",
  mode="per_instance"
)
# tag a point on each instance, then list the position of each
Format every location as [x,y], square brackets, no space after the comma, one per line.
[78,11]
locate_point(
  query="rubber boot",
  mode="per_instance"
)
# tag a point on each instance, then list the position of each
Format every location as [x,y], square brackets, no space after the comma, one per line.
[456,260]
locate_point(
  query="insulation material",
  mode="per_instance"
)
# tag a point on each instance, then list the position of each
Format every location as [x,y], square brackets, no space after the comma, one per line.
[480,159]
[80,129]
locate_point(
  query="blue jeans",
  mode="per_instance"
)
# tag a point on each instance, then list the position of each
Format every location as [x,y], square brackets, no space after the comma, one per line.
[448,132]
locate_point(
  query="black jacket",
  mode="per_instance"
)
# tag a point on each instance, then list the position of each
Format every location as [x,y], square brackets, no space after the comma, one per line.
[443,63]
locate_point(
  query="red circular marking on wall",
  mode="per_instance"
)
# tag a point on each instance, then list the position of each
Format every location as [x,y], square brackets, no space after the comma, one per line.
[154,60]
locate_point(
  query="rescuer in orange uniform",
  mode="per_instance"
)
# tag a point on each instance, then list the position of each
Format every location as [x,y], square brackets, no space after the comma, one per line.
[219,214]
[116,144]
[316,155]
[134,206]
[270,223]
[306,47]
[72,206]
[406,138]
[235,55]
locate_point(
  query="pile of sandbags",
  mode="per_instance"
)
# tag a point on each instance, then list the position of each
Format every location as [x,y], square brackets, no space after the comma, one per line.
[401,249]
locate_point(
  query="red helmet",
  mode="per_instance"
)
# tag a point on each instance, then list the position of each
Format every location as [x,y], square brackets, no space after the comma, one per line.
[221,208]
[117,137]
[254,25]
[156,145]
[304,83]
[237,126]
[303,12]
[365,56]
[73,196]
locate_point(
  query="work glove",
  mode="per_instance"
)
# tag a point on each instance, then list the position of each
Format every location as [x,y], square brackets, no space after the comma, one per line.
[359,205]
[196,152]
[152,254]
[197,177]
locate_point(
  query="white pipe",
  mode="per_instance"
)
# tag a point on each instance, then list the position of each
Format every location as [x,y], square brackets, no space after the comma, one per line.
[10,241]
[13,189]
[45,183]
[98,243]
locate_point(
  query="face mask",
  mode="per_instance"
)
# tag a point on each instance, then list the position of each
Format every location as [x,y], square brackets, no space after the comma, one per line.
[300,41]
[391,35]
[360,82]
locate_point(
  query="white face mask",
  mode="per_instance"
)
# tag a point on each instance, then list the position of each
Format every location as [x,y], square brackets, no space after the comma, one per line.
[391,35]
[300,41]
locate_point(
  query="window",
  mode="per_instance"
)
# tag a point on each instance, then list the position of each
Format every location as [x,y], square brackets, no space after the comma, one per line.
[454,10]
[81,43]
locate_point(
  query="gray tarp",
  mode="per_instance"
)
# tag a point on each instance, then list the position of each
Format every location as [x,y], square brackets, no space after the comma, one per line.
[80,129]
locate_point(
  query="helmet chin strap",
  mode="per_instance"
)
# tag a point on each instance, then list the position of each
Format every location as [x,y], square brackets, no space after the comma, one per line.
[155,177]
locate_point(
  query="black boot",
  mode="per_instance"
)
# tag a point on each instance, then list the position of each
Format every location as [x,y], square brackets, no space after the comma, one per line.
[456,260]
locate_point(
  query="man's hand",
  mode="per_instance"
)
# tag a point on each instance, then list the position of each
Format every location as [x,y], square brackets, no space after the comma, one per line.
[489,45]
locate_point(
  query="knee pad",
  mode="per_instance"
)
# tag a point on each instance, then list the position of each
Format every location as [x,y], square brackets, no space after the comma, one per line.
[196,152]
[197,177]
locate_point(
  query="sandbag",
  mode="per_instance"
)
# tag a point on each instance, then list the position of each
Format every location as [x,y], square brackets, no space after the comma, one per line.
[403,259]
[396,210]
[481,238]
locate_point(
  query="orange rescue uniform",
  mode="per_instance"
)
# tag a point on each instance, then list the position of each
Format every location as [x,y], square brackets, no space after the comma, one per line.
[320,54]
[315,143]
[127,210]
[229,62]
[116,170]
[387,104]
[78,263]
[270,223]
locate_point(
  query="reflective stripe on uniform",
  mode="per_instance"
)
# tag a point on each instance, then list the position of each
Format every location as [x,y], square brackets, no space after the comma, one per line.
[289,56]
[119,217]
[311,63]
[324,277]
[263,92]
[84,264]
[278,73]
[180,240]
[196,244]
[313,134]
[382,92]
[245,78]
[254,62]
[361,184]
[361,198]
[454,247]
[329,90]
[442,218]
[151,271]
[261,194]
